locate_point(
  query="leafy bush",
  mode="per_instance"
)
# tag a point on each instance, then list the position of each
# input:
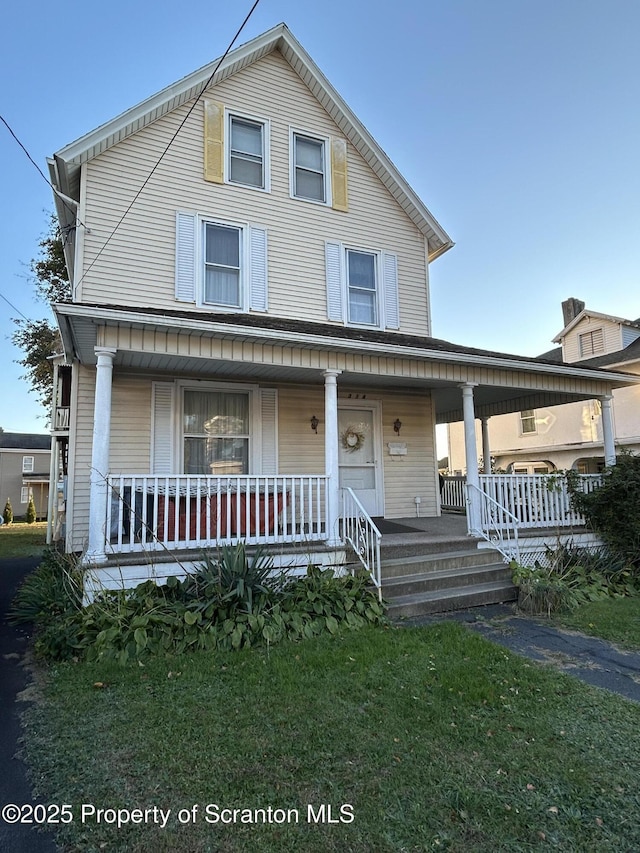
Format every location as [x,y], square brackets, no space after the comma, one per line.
[7,512]
[613,510]
[232,601]
[570,578]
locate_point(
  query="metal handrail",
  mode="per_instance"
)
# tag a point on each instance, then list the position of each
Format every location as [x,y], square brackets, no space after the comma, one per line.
[364,537]
[493,529]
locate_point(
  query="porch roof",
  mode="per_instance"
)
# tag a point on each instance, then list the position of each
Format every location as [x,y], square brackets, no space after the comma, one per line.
[272,349]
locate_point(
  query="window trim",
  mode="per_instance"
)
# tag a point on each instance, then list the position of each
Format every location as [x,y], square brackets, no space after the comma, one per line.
[532,418]
[255,432]
[229,116]
[28,467]
[379,319]
[326,159]
[243,279]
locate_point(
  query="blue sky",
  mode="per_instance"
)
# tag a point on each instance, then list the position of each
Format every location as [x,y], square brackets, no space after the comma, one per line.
[516,122]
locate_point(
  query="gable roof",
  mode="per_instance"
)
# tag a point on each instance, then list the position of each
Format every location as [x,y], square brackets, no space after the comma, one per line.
[596,315]
[66,164]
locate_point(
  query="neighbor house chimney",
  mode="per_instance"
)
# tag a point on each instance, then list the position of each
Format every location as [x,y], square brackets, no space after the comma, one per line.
[570,309]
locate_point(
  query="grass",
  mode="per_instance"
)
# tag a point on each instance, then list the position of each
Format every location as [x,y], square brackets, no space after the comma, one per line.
[613,619]
[432,738]
[22,540]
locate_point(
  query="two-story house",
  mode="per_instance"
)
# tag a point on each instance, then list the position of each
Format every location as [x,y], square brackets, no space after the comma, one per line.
[545,439]
[24,472]
[250,337]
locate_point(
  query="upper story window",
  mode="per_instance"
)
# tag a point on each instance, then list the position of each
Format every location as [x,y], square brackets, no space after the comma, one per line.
[221,264]
[28,464]
[591,343]
[247,140]
[528,422]
[310,173]
[362,287]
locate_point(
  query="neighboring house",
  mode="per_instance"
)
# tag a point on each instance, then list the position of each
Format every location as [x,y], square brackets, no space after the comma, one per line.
[24,472]
[544,439]
[250,331]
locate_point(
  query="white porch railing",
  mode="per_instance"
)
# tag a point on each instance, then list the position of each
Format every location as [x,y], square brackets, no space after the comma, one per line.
[362,534]
[454,494]
[152,513]
[497,525]
[535,500]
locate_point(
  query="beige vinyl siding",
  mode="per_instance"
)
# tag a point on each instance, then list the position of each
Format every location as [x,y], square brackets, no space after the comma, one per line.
[300,450]
[611,334]
[137,266]
[413,475]
[130,440]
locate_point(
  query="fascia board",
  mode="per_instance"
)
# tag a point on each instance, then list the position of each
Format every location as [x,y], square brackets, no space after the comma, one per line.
[279,336]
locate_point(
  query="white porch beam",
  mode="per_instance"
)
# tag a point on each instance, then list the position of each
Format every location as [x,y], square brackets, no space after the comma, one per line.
[98,495]
[607,430]
[331,454]
[471,458]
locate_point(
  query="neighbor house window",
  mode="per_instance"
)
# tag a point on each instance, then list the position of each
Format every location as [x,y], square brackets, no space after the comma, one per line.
[215,432]
[27,464]
[26,492]
[591,343]
[246,152]
[309,168]
[362,287]
[527,421]
[222,265]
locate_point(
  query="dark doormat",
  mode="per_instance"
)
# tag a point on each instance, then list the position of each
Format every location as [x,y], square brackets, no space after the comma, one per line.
[385,526]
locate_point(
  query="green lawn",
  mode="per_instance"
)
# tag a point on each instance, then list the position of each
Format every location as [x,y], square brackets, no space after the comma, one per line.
[22,540]
[429,738]
[614,619]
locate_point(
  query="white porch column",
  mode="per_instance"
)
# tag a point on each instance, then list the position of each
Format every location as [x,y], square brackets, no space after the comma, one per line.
[331,454]
[607,430]
[486,447]
[471,457]
[100,456]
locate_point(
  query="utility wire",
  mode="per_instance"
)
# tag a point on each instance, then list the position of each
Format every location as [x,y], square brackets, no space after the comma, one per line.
[40,172]
[2,296]
[169,144]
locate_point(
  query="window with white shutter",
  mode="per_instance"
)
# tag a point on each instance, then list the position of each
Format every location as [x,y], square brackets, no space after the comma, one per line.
[220,265]
[362,286]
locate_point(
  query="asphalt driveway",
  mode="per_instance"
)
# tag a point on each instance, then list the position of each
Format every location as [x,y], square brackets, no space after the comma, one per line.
[14,785]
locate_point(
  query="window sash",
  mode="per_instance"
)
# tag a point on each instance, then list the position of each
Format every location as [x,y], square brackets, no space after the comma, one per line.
[528,421]
[246,154]
[309,171]
[362,288]
[222,265]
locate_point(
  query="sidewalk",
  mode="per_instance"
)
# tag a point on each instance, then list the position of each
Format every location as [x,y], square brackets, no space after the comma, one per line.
[14,785]
[593,660]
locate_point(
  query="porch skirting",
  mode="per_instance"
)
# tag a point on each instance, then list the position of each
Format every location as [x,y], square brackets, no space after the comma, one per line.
[534,548]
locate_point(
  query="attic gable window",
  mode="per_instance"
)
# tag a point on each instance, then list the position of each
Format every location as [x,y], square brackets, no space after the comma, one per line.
[246,152]
[591,343]
[309,168]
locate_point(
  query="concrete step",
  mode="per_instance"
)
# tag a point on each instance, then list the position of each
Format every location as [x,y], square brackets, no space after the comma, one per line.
[430,562]
[394,547]
[444,600]
[448,578]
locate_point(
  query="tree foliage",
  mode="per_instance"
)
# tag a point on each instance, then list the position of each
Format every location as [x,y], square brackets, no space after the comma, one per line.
[40,339]
[613,510]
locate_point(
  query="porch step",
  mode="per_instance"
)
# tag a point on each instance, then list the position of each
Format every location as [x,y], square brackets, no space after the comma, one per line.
[438,582]
[442,601]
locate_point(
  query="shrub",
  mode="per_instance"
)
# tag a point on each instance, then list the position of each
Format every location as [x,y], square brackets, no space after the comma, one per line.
[31,511]
[232,601]
[571,577]
[613,510]
[7,512]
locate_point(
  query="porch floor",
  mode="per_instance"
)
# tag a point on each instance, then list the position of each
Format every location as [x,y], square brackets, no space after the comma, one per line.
[445,529]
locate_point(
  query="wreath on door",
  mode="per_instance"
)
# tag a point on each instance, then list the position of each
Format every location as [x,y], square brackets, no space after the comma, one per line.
[353,437]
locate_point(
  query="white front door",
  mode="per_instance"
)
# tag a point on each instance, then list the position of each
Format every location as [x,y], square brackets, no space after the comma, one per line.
[359,457]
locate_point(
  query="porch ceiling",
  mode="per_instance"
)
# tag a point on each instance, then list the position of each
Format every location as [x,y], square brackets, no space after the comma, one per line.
[267,350]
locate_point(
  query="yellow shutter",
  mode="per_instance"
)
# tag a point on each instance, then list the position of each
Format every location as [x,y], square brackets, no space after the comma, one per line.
[340,200]
[213,141]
